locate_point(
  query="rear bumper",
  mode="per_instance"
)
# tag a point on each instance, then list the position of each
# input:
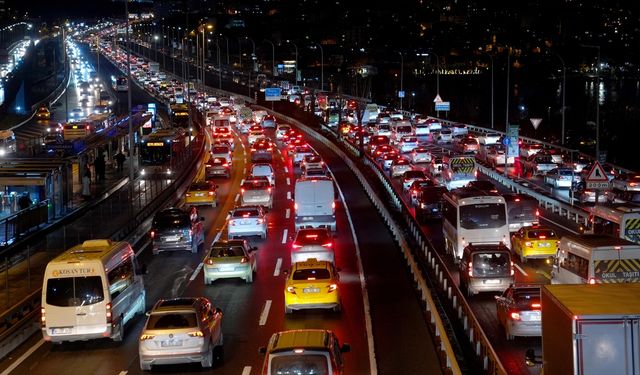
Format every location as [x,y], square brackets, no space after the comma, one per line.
[477,285]
[212,274]
[170,359]
[99,332]
[326,221]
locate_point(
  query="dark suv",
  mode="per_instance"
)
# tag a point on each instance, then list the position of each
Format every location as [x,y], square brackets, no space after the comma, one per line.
[173,229]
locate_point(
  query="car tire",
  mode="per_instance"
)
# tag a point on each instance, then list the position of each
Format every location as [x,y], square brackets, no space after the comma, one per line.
[145,366]
[207,361]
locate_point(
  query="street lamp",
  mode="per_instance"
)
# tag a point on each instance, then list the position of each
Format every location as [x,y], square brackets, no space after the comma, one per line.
[296,47]
[202,28]
[437,71]
[506,128]
[597,99]
[253,53]
[321,66]
[273,57]
[401,93]
[155,46]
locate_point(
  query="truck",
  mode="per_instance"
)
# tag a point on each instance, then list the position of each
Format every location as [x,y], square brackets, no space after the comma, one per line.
[589,329]
[315,204]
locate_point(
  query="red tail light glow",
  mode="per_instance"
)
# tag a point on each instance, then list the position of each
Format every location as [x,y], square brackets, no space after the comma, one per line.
[328,244]
[513,271]
[152,234]
[470,269]
[291,290]
[43,318]
[515,316]
[209,261]
[211,193]
[244,260]
[333,287]
[108,308]
[296,246]
[536,306]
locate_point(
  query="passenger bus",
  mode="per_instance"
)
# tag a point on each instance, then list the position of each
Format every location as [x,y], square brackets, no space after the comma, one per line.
[458,171]
[161,150]
[473,216]
[180,115]
[120,83]
[617,220]
[76,130]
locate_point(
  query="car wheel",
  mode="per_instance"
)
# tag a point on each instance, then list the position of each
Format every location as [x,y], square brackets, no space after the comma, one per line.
[120,331]
[207,361]
[287,310]
[145,366]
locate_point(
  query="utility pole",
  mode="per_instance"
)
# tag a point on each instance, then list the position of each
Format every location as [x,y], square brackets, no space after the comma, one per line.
[131,145]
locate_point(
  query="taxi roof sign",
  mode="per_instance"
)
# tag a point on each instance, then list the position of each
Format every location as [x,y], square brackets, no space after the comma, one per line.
[597,173]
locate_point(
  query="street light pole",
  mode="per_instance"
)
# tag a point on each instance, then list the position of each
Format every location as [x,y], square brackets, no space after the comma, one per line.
[131,166]
[597,100]
[564,90]
[506,129]
[401,78]
[321,67]
[155,47]
[273,57]
[240,52]
[219,64]
[296,49]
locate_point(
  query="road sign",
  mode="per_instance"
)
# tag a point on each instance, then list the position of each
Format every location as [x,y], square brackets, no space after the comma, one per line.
[513,149]
[437,99]
[535,122]
[597,178]
[506,141]
[443,106]
[272,94]
[400,94]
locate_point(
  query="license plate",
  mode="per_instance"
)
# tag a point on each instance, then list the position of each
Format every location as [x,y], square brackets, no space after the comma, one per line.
[245,222]
[171,238]
[307,218]
[170,343]
[534,318]
[311,290]
[492,281]
[199,194]
[227,269]
[61,331]
[544,244]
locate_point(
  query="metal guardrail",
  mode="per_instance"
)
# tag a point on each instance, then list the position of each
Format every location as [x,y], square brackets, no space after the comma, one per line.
[23,222]
[446,348]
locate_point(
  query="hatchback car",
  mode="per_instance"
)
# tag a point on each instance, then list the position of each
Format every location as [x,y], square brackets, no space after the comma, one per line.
[314,243]
[300,152]
[407,143]
[217,167]
[562,177]
[263,170]
[281,130]
[254,135]
[312,284]
[534,242]
[256,190]
[519,311]
[268,121]
[626,182]
[420,155]
[230,259]
[221,150]
[174,229]
[312,161]
[181,330]
[202,193]
[247,221]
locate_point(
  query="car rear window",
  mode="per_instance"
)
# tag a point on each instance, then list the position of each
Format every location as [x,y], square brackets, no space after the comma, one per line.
[172,320]
[491,264]
[171,221]
[541,233]
[200,186]
[227,251]
[527,299]
[311,274]
[245,213]
[220,150]
[313,237]
[74,291]
[307,364]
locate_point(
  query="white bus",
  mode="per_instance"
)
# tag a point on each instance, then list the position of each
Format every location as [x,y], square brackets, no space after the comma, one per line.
[90,291]
[473,217]
[458,171]
[120,83]
[617,220]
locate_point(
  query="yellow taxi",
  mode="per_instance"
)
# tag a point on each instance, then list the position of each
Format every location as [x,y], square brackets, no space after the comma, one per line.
[202,193]
[43,113]
[312,284]
[535,242]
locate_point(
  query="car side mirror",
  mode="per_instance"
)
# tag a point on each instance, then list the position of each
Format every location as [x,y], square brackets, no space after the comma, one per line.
[262,350]
[345,348]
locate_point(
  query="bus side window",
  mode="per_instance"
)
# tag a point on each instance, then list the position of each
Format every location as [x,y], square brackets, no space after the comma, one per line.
[120,278]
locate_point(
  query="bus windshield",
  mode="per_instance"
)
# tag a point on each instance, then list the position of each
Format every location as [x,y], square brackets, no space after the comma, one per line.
[155,153]
[482,216]
[74,291]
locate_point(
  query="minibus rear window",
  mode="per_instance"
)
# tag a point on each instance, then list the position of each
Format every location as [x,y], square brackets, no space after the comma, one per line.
[74,291]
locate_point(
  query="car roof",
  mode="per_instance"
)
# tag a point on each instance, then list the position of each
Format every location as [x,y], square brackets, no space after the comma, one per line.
[300,338]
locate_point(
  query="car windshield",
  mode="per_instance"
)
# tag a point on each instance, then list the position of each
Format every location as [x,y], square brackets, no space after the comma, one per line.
[307,364]
[526,298]
[482,216]
[491,264]
[74,291]
[171,221]
[311,274]
[175,320]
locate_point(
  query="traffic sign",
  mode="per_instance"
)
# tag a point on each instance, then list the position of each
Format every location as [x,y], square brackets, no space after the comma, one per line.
[443,106]
[597,178]
[535,122]
[506,141]
[273,94]
[401,94]
[437,99]
[513,148]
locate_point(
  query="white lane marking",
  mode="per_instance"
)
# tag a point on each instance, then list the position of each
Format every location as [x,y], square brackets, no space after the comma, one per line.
[284,235]
[286,170]
[543,273]
[23,357]
[288,181]
[237,197]
[287,213]
[246,370]
[265,313]
[276,272]
[288,195]
[521,270]
[123,372]
[560,225]
[373,367]
[244,170]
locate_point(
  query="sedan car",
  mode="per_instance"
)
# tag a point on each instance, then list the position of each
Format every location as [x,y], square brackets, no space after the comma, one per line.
[247,221]
[254,135]
[483,185]
[534,242]
[181,330]
[407,143]
[312,161]
[312,284]
[202,193]
[175,229]
[519,311]
[256,190]
[316,243]
[399,167]
[420,155]
[230,259]
[410,176]
[561,177]
[626,182]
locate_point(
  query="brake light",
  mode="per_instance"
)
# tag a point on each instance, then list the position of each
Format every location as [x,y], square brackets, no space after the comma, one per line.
[470,269]
[513,271]
[188,194]
[296,246]
[269,190]
[208,165]
[152,234]
[542,237]
[108,308]
[328,244]
[291,290]
[592,281]
[260,221]
[536,306]
[244,260]
[225,164]
[515,316]
[43,319]
[209,261]
[333,205]
[196,334]
[537,213]
[333,287]
[528,244]
[295,206]
[212,193]
[241,190]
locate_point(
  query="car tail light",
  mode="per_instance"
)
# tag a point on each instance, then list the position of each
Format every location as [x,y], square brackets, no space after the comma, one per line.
[470,269]
[188,194]
[513,271]
[211,193]
[537,212]
[209,261]
[296,246]
[632,184]
[291,290]
[328,244]
[43,318]
[144,337]
[536,306]
[241,190]
[592,280]
[528,244]
[208,165]
[152,234]
[269,190]
[196,334]
[295,206]
[333,205]
[108,308]
[260,221]
[332,287]
[244,260]
[225,165]
[515,315]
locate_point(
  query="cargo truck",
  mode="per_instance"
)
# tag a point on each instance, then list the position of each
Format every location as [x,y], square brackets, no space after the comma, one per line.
[590,330]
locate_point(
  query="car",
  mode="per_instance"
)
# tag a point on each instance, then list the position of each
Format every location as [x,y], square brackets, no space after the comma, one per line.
[420,155]
[221,150]
[460,129]
[519,311]
[176,229]
[216,167]
[263,169]
[281,130]
[300,152]
[312,284]
[626,182]
[383,129]
[399,166]
[383,149]
[434,124]
[314,243]
[202,193]
[466,146]
[387,159]
[314,172]
[268,121]
[291,146]
[254,135]
[428,203]
[410,176]
[534,242]
[181,330]
[76,113]
[256,190]
[537,164]
[497,156]
[304,351]
[230,259]
[312,161]
[489,138]
[247,221]
[43,113]
[416,186]
[563,177]
[483,185]
[262,151]
[435,167]
[444,136]
[529,149]
[407,143]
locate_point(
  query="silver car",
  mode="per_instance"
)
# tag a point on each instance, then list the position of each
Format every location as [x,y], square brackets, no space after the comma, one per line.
[519,311]
[256,190]
[181,330]
[230,259]
[247,221]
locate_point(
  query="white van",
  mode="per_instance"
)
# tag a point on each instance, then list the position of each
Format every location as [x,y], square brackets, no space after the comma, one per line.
[315,204]
[596,259]
[90,291]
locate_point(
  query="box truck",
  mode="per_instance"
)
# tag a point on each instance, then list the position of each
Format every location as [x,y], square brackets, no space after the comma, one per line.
[590,329]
